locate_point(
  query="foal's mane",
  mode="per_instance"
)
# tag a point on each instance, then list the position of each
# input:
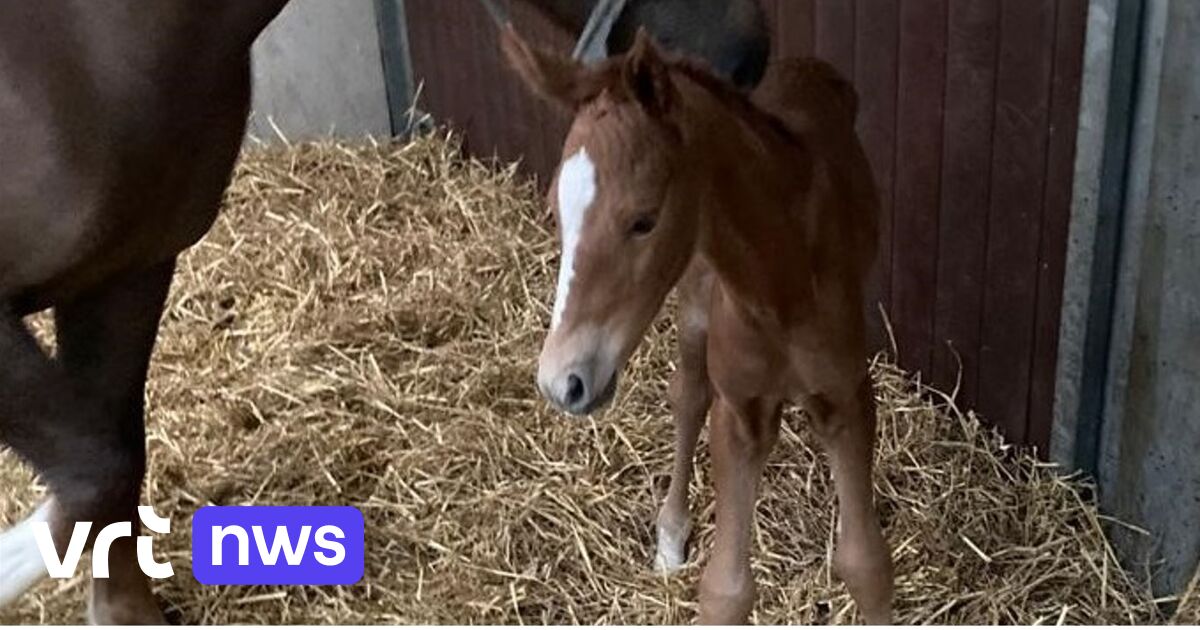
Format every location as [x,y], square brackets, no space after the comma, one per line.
[795,98]
[738,102]
[791,88]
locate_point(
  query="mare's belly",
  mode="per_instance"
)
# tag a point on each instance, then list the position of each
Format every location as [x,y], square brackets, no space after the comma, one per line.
[70,225]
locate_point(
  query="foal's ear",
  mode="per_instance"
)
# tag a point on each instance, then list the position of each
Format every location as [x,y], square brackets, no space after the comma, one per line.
[647,75]
[552,76]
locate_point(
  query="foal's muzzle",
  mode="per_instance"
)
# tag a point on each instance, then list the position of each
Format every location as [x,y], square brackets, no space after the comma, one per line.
[578,389]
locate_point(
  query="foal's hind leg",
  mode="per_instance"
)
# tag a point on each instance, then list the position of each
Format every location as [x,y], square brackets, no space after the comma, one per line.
[844,419]
[691,396]
[79,422]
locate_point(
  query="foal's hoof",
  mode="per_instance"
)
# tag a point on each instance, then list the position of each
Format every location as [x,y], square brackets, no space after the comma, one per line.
[727,604]
[671,554]
[668,561]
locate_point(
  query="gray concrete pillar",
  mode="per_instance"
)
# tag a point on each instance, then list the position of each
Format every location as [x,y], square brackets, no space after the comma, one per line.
[318,71]
[1128,409]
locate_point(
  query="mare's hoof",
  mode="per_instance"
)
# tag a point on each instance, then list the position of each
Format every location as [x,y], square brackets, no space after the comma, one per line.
[22,565]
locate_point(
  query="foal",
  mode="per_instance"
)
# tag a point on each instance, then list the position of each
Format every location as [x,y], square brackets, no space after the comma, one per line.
[766,220]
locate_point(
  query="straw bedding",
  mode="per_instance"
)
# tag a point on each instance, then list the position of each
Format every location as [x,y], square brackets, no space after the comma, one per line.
[360,328]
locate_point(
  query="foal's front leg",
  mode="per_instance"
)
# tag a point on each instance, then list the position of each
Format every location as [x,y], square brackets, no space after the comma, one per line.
[690,399]
[742,436]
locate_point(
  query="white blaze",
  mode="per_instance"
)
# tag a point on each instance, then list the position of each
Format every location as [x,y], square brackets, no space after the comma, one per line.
[576,192]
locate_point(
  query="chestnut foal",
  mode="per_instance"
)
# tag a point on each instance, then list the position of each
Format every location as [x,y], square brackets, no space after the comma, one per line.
[766,220]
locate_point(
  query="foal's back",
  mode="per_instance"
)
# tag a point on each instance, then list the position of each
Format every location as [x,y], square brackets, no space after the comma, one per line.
[818,106]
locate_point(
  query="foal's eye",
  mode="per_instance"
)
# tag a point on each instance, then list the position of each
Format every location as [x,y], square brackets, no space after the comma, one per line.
[642,226]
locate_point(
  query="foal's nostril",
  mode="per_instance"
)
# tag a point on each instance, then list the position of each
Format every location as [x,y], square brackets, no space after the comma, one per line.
[575,391]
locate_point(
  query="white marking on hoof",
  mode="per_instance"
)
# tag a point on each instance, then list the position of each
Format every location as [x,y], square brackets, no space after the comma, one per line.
[672,548]
[21,564]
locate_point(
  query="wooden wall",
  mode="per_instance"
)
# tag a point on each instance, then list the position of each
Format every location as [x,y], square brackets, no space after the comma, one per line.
[464,82]
[968,112]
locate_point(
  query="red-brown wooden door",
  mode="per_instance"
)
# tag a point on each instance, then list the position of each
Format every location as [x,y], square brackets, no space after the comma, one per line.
[968,112]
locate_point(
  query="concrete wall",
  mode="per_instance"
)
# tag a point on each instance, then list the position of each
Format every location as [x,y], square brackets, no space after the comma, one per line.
[318,71]
[1151,456]
[1085,213]
[1143,445]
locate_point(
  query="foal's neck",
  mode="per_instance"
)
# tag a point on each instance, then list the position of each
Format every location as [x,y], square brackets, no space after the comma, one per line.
[749,177]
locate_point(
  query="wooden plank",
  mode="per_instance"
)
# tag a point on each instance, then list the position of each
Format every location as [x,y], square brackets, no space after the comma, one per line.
[1056,215]
[794,32]
[420,49]
[427,32]
[449,83]
[548,125]
[1014,221]
[473,35]
[511,108]
[967,168]
[834,39]
[918,178]
[520,135]
[771,11]
[877,37]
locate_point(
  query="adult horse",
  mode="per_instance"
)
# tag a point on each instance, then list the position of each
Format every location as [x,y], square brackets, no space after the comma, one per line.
[119,125]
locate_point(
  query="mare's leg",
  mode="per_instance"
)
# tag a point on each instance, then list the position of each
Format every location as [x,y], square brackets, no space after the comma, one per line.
[742,436]
[32,393]
[844,420]
[105,342]
[79,422]
[690,398]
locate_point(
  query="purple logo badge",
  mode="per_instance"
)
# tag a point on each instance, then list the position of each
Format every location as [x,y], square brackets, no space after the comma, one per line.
[278,545]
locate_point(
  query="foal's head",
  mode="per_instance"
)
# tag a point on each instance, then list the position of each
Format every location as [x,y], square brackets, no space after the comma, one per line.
[626,213]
